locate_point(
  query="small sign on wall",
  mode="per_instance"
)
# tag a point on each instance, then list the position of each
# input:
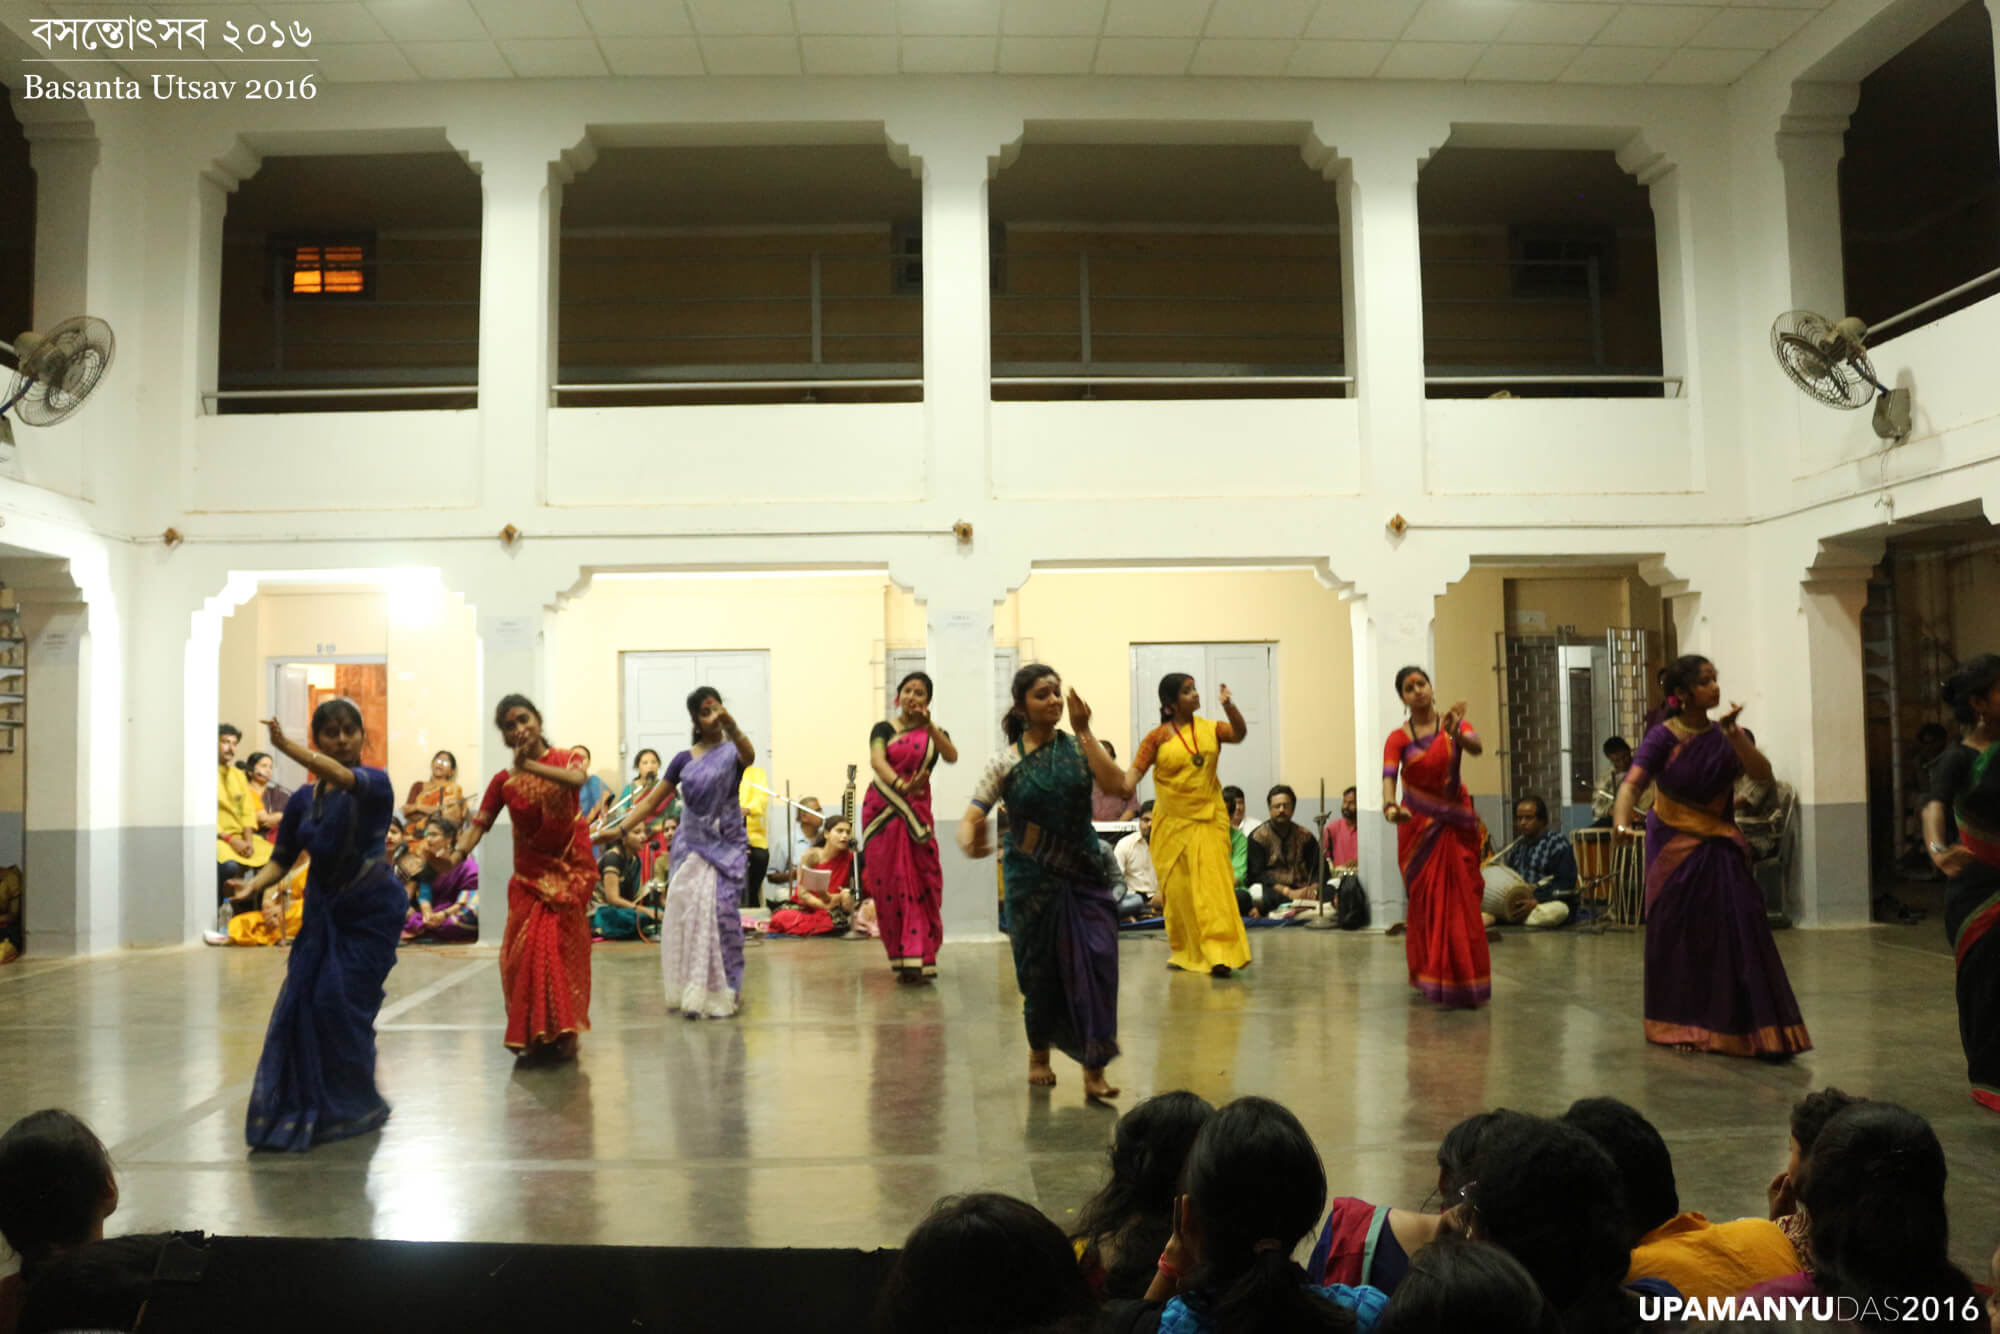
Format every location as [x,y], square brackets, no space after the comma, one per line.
[325,650]
[56,646]
[1527,620]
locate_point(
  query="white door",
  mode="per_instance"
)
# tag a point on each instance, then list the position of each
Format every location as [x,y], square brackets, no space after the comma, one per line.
[291,701]
[1251,673]
[655,705]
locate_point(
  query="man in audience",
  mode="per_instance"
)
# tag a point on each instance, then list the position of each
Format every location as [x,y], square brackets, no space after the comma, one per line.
[754,796]
[1239,842]
[1700,1258]
[1619,753]
[1541,853]
[789,841]
[1134,855]
[1284,856]
[1342,839]
[238,850]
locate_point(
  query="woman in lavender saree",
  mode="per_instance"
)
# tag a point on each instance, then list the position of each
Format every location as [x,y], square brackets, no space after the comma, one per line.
[1714,981]
[701,929]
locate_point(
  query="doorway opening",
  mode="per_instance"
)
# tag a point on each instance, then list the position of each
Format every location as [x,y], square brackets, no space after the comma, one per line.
[298,686]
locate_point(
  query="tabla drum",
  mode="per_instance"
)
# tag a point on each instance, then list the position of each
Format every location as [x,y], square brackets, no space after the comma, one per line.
[1507,897]
[1594,852]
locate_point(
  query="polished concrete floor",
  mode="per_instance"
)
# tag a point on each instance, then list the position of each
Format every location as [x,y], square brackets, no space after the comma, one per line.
[839,1105]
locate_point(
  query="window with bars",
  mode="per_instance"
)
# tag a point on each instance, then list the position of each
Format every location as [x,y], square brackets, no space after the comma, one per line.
[325,268]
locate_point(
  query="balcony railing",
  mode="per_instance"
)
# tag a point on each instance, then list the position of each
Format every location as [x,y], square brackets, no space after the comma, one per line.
[1536,329]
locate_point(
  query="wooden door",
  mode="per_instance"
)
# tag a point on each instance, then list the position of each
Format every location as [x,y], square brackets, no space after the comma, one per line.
[367,684]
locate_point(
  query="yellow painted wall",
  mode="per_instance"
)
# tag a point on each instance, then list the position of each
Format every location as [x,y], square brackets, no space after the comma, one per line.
[1084,625]
[425,633]
[824,635]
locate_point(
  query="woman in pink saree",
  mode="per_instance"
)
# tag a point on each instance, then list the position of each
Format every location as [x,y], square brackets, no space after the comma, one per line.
[899,867]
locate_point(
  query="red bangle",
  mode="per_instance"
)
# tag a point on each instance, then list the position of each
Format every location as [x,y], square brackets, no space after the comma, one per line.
[1168,1269]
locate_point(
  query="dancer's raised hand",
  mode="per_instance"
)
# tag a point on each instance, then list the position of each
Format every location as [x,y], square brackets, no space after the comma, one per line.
[1079,713]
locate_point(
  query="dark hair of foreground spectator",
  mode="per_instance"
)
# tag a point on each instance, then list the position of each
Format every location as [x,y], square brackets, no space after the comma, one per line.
[983,1264]
[102,1286]
[1455,1285]
[1132,1215]
[55,1184]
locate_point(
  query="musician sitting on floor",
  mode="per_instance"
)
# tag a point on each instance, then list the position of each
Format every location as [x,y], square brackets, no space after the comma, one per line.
[615,909]
[1619,752]
[1284,858]
[1541,856]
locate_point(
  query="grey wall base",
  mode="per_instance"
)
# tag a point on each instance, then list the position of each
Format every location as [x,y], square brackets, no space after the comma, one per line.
[1830,880]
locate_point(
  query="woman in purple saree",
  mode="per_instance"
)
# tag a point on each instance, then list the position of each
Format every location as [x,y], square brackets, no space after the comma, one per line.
[1714,981]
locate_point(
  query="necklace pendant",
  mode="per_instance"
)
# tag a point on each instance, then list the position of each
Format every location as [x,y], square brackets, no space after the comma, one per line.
[1200,760]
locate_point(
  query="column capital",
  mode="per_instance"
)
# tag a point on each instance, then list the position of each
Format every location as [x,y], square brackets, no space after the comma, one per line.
[1392,157]
[969,148]
[1819,108]
[555,155]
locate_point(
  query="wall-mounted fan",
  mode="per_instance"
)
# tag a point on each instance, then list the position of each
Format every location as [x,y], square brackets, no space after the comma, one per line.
[1829,361]
[55,371]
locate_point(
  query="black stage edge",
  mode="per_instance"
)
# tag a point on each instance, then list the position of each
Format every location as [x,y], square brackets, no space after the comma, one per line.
[386,1287]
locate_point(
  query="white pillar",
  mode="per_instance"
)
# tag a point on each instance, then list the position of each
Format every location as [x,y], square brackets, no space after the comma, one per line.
[58,844]
[1810,143]
[1383,282]
[64,156]
[511,661]
[1830,884]
[955,160]
[1391,630]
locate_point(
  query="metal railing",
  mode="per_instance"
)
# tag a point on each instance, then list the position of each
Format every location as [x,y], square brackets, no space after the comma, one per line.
[1554,338]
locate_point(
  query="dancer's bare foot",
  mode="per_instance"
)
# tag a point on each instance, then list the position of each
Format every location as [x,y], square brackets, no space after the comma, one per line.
[564,1048]
[1040,1073]
[1095,1085]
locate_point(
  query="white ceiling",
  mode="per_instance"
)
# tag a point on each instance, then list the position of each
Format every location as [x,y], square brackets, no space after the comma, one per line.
[1531,41]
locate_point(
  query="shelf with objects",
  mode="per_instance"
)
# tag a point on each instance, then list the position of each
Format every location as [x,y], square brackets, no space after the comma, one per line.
[13,722]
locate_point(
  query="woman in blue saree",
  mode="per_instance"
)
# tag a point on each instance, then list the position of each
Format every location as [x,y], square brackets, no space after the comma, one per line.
[1714,981]
[316,1078]
[1061,885]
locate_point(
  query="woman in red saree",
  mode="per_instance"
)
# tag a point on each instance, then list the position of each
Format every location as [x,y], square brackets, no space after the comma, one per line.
[899,854]
[545,955]
[1437,845]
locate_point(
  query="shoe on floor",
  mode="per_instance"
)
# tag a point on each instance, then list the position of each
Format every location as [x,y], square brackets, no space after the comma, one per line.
[215,937]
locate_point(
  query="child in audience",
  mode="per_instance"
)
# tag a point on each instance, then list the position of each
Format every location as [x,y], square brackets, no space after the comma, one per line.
[1373,1244]
[984,1264]
[1546,1194]
[56,1190]
[1125,1226]
[1875,1190]
[1252,1189]
[1809,1115]
[1455,1285]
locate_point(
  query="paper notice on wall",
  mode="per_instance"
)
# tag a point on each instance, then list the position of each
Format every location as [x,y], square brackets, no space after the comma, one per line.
[960,623]
[509,634]
[1527,620]
[55,645]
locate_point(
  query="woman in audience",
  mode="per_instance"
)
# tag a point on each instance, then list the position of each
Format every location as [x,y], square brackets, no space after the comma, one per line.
[105,1285]
[1965,783]
[1879,1231]
[595,797]
[701,931]
[266,798]
[983,1264]
[1545,1193]
[56,1190]
[316,1078]
[1437,845]
[447,890]
[1190,841]
[1124,1227]
[645,773]
[616,912]
[1113,806]
[1714,981]
[1252,1188]
[1373,1244]
[279,915]
[826,910]
[1809,1116]
[545,952]
[439,794]
[1456,1285]
[1060,883]
[900,870]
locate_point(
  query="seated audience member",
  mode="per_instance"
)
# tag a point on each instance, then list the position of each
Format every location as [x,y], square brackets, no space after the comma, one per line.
[1239,840]
[1455,1286]
[984,1264]
[239,852]
[1253,1186]
[393,840]
[1371,1244]
[790,841]
[1341,840]
[102,1286]
[615,911]
[1546,1194]
[1700,1258]
[753,798]
[594,797]
[1809,1116]
[1605,797]
[266,797]
[1755,799]
[446,911]
[1284,857]
[1134,855]
[56,1190]
[1880,1237]
[1109,807]
[439,794]
[1123,1228]
[1538,853]
[645,773]
[822,909]
[277,917]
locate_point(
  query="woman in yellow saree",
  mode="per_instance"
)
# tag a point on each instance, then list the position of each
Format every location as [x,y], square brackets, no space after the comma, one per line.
[1190,841]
